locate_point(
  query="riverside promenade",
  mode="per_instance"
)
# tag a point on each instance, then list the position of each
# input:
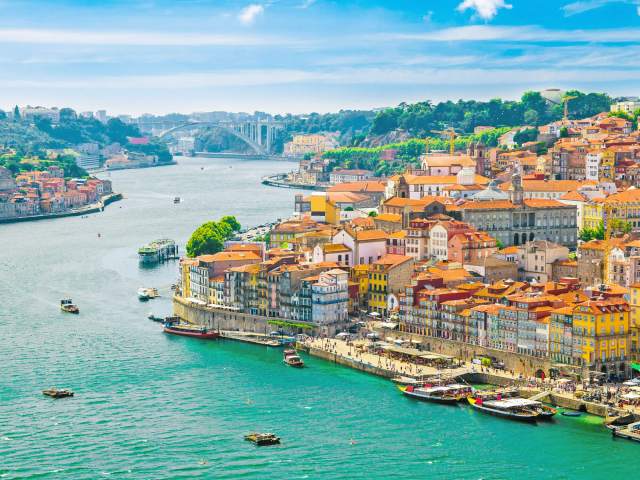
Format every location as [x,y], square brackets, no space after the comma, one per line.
[354,354]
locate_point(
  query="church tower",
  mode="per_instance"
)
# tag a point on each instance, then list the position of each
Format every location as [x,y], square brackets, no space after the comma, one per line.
[516,190]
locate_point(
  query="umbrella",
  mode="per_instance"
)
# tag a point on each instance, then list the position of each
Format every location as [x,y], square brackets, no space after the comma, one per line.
[636,366]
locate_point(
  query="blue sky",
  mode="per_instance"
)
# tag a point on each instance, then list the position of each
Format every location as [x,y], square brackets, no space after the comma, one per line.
[161,56]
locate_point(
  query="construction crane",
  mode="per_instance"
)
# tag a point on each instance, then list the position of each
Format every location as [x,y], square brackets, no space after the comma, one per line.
[451,133]
[565,100]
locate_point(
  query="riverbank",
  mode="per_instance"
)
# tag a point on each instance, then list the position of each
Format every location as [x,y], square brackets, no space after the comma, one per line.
[87,209]
[279,180]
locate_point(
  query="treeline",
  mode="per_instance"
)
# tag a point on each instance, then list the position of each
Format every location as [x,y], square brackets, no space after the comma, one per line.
[406,153]
[421,118]
[17,164]
[209,237]
[33,138]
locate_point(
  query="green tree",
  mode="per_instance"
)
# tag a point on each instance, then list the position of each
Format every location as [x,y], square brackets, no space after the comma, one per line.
[564,132]
[373,213]
[232,222]
[209,237]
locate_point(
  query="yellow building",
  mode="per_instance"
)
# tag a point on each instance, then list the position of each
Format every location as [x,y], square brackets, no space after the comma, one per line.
[602,336]
[185,281]
[634,320]
[387,278]
[324,210]
[312,143]
[360,274]
[623,206]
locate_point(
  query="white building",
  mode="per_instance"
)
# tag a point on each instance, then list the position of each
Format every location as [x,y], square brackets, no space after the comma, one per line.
[627,107]
[367,246]
[330,298]
[438,242]
[592,165]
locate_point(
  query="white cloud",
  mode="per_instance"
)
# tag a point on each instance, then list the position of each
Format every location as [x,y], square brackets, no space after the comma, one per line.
[306,4]
[249,14]
[581,6]
[476,33]
[428,17]
[139,38]
[485,9]
[340,76]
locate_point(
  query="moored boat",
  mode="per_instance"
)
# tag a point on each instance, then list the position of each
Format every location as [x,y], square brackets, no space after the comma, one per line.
[520,409]
[54,392]
[67,305]
[292,358]
[448,394]
[190,330]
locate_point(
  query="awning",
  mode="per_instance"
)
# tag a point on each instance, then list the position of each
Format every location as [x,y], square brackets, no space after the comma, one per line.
[635,366]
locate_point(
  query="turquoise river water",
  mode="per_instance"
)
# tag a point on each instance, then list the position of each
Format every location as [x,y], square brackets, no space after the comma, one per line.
[152,406]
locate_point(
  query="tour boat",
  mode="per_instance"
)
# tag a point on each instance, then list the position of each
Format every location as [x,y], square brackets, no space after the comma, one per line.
[292,359]
[262,439]
[67,305]
[145,294]
[190,330]
[449,394]
[630,432]
[54,392]
[520,409]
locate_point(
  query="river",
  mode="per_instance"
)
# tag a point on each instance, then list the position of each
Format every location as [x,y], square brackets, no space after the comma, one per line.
[152,406]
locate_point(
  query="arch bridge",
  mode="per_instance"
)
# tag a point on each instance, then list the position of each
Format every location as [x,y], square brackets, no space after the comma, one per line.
[259,135]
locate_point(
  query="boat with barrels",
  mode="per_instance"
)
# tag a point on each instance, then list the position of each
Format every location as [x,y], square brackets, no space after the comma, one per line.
[176,327]
[515,408]
[447,394]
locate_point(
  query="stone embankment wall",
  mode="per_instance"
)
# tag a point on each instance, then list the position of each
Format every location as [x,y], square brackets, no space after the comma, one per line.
[526,365]
[220,319]
[347,362]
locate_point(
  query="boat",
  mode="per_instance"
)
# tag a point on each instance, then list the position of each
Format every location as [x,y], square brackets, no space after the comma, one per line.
[177,199]
[448,394]
[153,318]
[190,330]
[67,305]
[570,414]
[54,392]
[516,408]
[158,251]
[292,358]
[630,432]
[145,294]
[262,439]
[546,412]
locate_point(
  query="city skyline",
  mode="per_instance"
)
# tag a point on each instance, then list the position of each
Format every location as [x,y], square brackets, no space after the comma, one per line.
[301,56]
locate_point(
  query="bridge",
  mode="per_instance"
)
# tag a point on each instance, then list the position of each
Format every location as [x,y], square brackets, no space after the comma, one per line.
[259,135]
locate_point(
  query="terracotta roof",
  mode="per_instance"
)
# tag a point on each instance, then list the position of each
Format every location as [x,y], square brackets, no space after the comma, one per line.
[543,203]
[440,180]
[549,185]
[631,195]
[368,186]
[388,217]
[335,248]
[447,160]
[392,260]
[229,257]
[371,235]
[484,205]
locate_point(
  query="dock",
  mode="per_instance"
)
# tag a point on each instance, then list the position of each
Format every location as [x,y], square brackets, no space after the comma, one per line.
[158,251]
[250,337]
